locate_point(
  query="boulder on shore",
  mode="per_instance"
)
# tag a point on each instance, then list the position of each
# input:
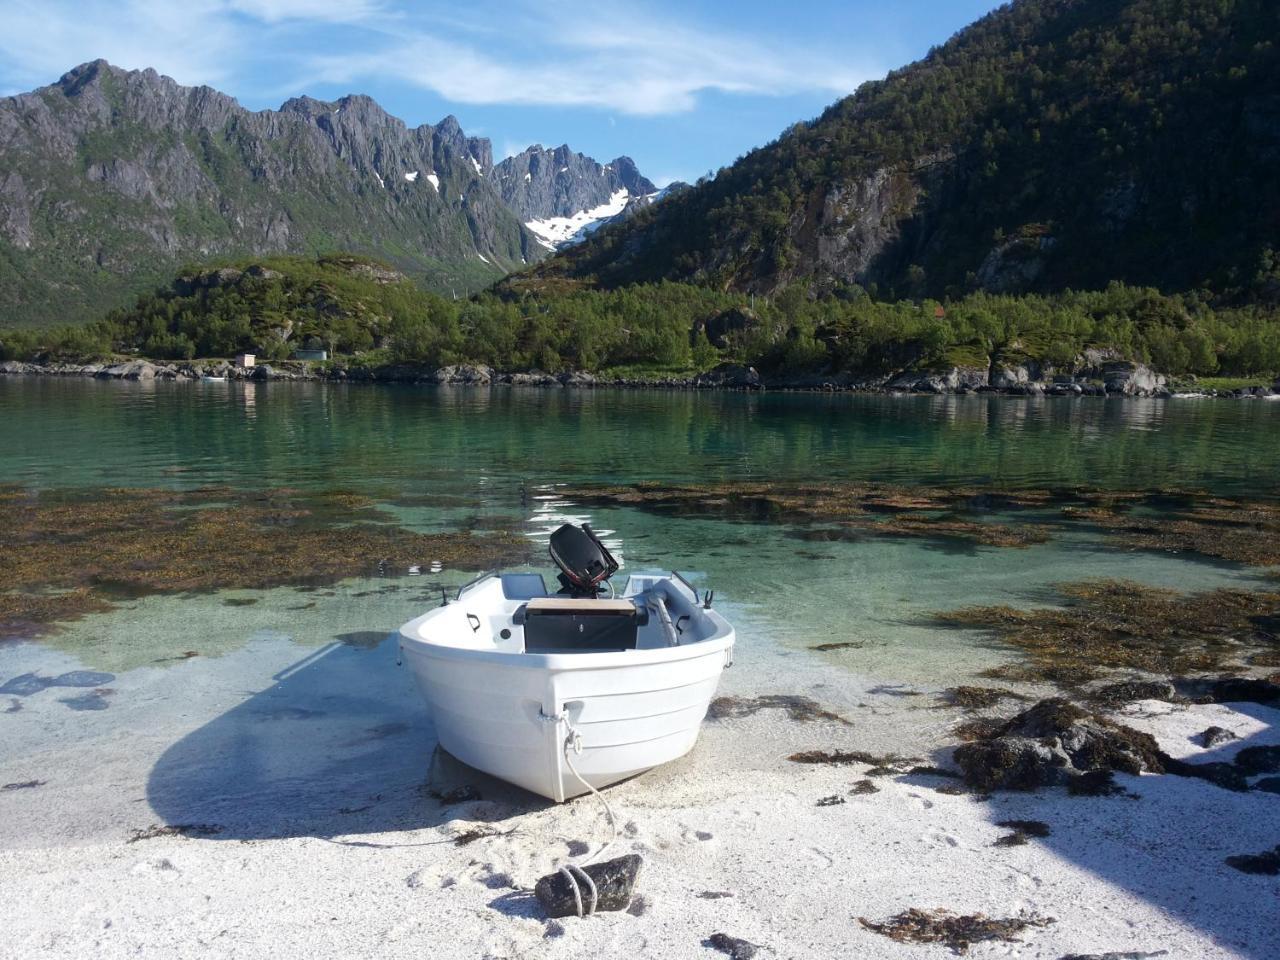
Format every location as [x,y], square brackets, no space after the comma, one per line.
[1052,743]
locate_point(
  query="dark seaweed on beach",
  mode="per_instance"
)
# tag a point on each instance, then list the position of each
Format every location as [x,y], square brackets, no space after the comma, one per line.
[957,932]
[187,830]
[798,708]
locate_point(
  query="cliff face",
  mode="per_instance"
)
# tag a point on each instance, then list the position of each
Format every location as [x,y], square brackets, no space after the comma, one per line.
[1053,144]
[110,178]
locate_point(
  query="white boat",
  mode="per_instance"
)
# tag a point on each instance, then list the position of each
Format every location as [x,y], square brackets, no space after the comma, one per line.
[563,693]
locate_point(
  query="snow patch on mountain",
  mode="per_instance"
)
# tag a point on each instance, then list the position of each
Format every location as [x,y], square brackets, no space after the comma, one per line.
[556,232]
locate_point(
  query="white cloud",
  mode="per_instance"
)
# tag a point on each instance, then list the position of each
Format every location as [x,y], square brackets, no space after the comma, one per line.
[616,58]
[568,57]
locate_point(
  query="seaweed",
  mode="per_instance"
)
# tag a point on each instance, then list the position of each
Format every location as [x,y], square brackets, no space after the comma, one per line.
[1177,521]
[1119,624]
[185,830]
[978,698]
[798,708]
[70,553]
[956,931]
[842,758]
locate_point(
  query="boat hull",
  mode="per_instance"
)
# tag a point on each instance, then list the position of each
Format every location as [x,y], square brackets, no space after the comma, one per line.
[511,715]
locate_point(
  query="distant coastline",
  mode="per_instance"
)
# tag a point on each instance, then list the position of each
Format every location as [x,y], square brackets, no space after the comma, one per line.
[1121,379]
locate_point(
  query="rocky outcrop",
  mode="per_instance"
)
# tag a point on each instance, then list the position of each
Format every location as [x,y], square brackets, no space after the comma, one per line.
[951,380]
[730,375]
[1132,379]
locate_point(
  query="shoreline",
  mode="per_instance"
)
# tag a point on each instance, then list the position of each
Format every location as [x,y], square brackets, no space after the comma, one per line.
[1120,380]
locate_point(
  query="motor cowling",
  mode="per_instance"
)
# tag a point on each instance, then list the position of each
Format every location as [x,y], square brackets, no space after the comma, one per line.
[585,563]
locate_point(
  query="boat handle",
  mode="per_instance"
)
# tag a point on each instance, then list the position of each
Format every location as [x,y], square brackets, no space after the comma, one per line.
[680,620]
[707,597]
[475,622]
[471,583]
[692,589]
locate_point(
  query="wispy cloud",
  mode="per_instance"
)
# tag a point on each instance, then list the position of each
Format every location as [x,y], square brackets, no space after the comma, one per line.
[619,58]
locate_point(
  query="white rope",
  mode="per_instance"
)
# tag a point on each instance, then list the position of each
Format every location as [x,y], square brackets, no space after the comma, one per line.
[574,874]
[574,740]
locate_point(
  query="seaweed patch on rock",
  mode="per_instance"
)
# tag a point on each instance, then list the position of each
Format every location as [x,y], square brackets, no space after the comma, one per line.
[1052,743]
[956,931]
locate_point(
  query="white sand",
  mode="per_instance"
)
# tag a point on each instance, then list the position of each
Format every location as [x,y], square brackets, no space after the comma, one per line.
[735,818]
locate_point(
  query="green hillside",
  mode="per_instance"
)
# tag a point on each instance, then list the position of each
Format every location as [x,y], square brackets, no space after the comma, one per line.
[1053,144]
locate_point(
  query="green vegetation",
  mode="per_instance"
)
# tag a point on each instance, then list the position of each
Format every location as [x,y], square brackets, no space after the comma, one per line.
[368,314]
[1084,141]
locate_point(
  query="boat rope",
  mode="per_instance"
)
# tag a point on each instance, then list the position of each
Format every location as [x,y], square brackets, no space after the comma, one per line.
[573,746]
[575,874]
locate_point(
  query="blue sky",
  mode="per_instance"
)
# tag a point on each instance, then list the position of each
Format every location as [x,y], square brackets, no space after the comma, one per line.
[681,87]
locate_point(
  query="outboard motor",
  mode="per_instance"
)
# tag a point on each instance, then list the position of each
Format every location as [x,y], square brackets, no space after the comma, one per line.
[584,561]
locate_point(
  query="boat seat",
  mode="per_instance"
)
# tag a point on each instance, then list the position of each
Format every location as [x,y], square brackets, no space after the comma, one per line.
[582,625]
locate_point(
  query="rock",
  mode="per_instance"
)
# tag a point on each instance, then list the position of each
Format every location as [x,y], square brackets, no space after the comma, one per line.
[132,370]
[1268,785]
[734,947]
[614,880]
[465,373]
[721,328]
[576,378]
[1244,690]
[1212,736]
[1254,760]
[1051,743]
[1223,775]
[729,375]
[13,366]
[1131,379]
[1266,863]
[1117,955]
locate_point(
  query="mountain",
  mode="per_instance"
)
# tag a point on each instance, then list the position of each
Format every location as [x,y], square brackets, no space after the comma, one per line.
[562,196]
[110,179]
[1052,144]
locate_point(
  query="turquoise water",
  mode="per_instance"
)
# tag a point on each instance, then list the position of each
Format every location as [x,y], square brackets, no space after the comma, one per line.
[293,692]
[396,440]
[438,459]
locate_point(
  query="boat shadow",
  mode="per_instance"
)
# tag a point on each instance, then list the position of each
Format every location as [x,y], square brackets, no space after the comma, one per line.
[340,745]
[1164,839]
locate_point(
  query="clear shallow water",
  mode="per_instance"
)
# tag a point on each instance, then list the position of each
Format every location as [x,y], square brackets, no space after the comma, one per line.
[439,458]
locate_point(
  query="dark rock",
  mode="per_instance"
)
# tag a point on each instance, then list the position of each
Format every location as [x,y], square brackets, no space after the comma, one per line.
[1266,863]
[614,880]
[1224,775]
[1268,785]
[1095,783]
[832,801]
[1032,828]
[1212,736]
[721,328]
[734,947]
[1051,743]
[864,787]
[1254,760]
[1244,690]
[731,375]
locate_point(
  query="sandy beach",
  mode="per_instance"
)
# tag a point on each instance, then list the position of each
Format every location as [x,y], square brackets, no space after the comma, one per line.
[342,846]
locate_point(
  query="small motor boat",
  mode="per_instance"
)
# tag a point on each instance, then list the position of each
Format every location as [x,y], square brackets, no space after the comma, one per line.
[565,693]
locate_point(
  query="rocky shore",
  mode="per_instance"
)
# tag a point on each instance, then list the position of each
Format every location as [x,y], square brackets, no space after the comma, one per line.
[1109,378]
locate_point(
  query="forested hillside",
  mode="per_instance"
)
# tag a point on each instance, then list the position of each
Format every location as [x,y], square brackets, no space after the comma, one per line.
[1053,144]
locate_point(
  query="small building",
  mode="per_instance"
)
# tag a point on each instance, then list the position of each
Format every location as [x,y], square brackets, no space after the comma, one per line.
[245,360]
[311,354]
